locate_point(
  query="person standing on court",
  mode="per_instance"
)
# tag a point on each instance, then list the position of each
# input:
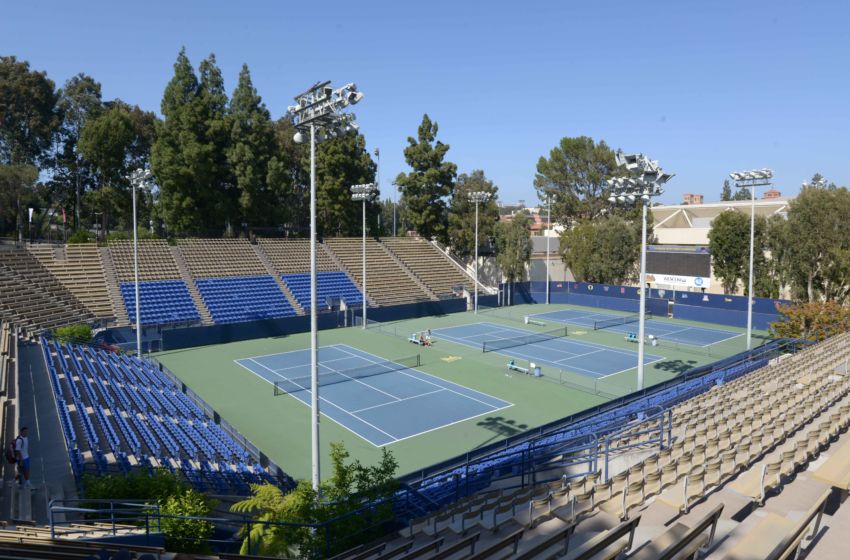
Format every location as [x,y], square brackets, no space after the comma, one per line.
[22,455]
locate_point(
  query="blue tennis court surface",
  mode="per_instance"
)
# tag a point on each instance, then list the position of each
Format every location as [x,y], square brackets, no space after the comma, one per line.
[391,404]
[593,360]
[695,336]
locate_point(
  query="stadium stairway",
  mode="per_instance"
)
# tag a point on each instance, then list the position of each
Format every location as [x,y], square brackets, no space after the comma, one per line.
[276,275]
[113,288]
[186,275]
[341,266]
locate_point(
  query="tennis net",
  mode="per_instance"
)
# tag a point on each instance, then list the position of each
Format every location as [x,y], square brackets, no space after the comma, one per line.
[616,321]
[503,343]
[296,384]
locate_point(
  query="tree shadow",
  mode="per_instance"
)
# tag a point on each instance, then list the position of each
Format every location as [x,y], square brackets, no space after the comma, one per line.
[675,366]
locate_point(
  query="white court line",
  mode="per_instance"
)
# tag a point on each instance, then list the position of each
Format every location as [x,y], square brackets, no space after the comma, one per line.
[333,405]
[359,410]
[635,367]
[442,387]
[453,423]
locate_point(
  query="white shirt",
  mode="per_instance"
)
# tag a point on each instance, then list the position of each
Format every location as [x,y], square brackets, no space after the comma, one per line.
[22,446]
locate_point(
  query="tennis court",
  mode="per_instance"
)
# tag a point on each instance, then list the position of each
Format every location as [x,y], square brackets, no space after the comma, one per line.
[381,401]
[695,336]
[593,360]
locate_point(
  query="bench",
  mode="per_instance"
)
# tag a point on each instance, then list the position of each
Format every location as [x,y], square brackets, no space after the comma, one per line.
[458,546]
[680,537]
[632,337]
[513,367]
[511,540]
[607,545]
[835,471]
[433,546]
[561,536]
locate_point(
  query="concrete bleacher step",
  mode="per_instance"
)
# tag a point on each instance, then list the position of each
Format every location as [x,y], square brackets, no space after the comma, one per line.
[186,276]
[276,275]
[424,287]
[338,262]
[112,288]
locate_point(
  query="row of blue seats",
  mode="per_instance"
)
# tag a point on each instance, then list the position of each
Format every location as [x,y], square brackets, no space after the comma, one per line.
[244,298]
[328,285]
[163,301]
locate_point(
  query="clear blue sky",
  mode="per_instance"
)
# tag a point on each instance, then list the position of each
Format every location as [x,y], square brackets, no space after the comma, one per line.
[704,87]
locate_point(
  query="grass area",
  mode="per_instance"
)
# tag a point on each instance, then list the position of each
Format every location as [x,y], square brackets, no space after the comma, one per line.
[280,425]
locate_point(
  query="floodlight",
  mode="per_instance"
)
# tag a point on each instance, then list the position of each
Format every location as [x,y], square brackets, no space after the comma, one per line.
[299,138]
[612,199]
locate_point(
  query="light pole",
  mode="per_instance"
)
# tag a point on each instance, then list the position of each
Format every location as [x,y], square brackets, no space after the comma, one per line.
[364,193]
[751,180]
[548,235]
[477,197]
[647,183]
[140,178]
[320,107]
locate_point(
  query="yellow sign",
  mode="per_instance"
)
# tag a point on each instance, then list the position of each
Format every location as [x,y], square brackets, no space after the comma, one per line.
[578,333]
[450,359]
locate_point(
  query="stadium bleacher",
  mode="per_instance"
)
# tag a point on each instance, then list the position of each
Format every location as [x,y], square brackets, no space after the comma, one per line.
[442,276]
[244,298]
[162,302]
[120,412]
[328,285]
[747,472]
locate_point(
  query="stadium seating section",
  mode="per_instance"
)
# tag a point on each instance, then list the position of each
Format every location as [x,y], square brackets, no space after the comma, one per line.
[328,285]
[120,412]
[162,302]
[50,285]
[32,297]
[244,298]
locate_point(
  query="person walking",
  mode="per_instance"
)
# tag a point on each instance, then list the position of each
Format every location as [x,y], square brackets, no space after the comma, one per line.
[22,457]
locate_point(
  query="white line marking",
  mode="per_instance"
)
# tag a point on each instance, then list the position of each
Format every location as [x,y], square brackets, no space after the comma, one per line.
[359,410]
[452,423]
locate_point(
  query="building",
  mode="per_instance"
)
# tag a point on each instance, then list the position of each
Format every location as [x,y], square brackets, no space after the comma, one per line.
[771,194]
[692,199]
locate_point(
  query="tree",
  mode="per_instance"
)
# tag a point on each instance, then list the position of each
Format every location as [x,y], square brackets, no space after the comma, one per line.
[79,102]
[811,321]
[349,487]
[819,246]
[575,174]
[513,246]
[251,147]
[186,535]
[726,193]
[604,250]
[729,244]
[17,190]
[340,163]
[462,213]
[288,176]
[189,155]
[431,180]
[28,116]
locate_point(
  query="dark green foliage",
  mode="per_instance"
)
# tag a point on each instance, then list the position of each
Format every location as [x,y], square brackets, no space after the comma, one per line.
[17,191]
[138,485]
[79,333]
[430,182]
[340,163]
[575,175]
[729,243]
[513,246]
[80,236]
[462,213]
[186,535]
[605,250]
[28,116]
[726,194]
[350,486]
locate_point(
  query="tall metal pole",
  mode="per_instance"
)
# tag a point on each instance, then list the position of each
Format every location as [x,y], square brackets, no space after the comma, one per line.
[475,305]
[750,290]
[136,274]
[314,343]
[641,327]
[548,234]
[364,262]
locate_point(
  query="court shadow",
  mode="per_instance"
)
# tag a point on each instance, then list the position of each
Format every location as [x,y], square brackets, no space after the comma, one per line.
[675,366]
[501,427]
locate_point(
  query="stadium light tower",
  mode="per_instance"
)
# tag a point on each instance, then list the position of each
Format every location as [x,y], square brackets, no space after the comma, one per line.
[751,180]
[139,179]
[477,197]
[548,201]
[646,181]
[319,110]
[365,193]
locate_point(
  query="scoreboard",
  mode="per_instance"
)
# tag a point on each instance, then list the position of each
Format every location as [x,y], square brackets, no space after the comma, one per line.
[678,265]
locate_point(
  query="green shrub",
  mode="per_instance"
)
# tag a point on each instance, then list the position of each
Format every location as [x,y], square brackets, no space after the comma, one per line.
[138,485]
[80,236]
[186,535]
[80,333]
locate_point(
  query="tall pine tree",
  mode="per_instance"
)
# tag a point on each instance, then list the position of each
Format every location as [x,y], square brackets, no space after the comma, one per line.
[340,163]
[252,142]
[430,182]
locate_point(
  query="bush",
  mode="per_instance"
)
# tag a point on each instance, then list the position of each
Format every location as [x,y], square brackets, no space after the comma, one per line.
[186,535]
[138,485]
[80,333]
[80,236]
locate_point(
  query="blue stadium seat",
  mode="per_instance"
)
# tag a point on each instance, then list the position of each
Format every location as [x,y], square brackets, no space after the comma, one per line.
[162,301]
[328,285]
[238,299]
